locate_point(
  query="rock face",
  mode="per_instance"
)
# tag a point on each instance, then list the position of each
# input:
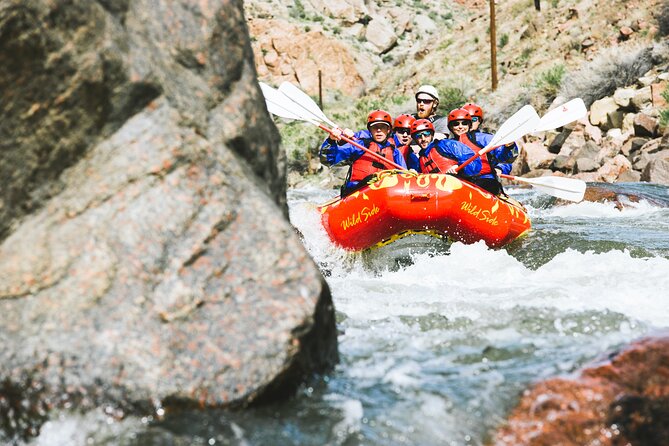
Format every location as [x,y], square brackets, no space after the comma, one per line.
[283,52]
[622,401]
[145,257]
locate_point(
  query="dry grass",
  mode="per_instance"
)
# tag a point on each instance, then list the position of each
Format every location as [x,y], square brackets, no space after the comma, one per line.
[612,68]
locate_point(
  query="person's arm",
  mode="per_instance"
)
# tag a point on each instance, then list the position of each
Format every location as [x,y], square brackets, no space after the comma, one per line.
[502,154]
[460,153]
[334,150]
[399,158]
[507,153]
[504,167]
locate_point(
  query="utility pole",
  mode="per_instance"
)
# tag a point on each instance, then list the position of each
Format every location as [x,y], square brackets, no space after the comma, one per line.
[493,46]
[320,89]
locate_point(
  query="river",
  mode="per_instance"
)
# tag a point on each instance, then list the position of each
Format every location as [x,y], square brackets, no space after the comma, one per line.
[437,352]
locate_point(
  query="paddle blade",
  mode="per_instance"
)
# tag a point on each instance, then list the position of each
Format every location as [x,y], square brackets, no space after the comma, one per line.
[518,125]
[562,115]
[278,104]
[570,189]
[304,101]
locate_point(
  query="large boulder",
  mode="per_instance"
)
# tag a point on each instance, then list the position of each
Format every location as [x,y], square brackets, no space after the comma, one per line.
[146,258]
[624,399]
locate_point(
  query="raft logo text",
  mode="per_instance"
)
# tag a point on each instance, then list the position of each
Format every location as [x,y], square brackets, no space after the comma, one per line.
[360,217]
[480,214]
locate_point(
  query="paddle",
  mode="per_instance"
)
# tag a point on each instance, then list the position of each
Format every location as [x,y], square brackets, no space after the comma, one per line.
[521,123]
[278,107]
[304,101]
[292,103]
[570,189]
[562,115]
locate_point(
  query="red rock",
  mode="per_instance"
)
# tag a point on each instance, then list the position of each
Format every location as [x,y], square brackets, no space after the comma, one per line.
[622,400]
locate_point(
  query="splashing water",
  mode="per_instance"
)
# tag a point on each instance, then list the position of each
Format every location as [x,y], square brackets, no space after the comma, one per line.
[437,352]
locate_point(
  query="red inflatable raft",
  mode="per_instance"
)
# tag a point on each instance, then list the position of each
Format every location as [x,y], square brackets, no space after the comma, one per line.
[398,204]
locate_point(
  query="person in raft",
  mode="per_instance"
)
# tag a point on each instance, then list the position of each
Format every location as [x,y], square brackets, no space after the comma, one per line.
[363,165]
[427,104]
[442,155]
[476,113]
[403,141]
[497,161]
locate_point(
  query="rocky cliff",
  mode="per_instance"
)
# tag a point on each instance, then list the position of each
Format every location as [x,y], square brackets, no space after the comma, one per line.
[145,258]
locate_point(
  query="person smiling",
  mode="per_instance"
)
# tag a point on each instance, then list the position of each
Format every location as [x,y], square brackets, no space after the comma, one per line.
[442,155]
[493,163]
[363,165]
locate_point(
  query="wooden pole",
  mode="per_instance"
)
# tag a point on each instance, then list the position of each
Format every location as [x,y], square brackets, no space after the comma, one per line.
[320,89]
[493,46]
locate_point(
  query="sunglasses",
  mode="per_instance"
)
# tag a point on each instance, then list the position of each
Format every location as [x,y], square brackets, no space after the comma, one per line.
[475,119]
[423,134]
[424,101]
[402,131]
[459,122]
[379,127]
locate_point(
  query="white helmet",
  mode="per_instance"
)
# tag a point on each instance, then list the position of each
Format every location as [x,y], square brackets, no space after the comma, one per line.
[428,89]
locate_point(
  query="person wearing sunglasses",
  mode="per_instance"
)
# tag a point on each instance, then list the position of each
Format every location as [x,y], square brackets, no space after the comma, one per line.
[403,140]
[442,155]
[493,163]
[476,113]
[427,103]
[363,165]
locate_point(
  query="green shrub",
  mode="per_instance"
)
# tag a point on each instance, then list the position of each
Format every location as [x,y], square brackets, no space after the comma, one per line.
[549,81]
[525,55]
[451,97]
[664,114]
[503,40]
[300,141]
[297,10]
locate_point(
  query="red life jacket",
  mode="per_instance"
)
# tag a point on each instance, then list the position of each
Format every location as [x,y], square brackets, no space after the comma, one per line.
[404,150]
[367,164]
[435,162]
[471,143]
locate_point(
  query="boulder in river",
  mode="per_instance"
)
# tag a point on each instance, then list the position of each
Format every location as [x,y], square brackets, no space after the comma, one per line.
[622,400]
[145,255]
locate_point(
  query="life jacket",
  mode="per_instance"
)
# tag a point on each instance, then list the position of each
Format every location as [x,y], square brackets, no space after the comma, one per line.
[367,164]
[404,150]
[434,162]
[471,143]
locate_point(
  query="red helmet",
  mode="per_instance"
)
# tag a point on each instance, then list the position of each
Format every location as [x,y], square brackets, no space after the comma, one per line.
[420,125]
[474,110]
[379,116]
[459,114]
[404,121]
